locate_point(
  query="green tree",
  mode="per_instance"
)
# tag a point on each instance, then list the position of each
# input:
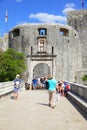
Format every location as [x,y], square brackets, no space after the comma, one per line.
[11,63]
[84,77]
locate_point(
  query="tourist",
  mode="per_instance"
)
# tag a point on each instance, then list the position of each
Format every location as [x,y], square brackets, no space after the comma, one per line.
[35,83]
[52,90]
[17,83]
[60,88]
[67,88]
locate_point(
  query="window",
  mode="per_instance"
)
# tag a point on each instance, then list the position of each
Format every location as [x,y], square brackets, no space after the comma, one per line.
[42,31]
[41,44]
[16,33]
[64,32]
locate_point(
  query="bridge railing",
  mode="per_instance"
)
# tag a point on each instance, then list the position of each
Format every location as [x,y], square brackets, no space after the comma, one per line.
[80,90]
[78,95]
[6,87]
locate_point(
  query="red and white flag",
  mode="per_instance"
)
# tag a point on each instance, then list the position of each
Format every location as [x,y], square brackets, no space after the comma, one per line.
[6,17]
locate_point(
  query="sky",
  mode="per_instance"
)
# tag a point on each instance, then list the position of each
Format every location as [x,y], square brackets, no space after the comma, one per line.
[35,11]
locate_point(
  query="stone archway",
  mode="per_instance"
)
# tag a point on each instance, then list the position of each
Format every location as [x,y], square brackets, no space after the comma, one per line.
[41,70]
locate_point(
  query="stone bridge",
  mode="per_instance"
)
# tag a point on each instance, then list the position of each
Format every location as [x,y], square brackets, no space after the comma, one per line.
[31,112]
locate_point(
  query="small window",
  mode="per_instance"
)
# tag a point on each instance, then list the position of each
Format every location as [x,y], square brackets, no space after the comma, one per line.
[16,33]
[64,32]
[42,31]
[41,46]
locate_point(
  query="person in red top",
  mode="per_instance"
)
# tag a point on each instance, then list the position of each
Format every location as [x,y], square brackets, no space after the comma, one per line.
[67,88]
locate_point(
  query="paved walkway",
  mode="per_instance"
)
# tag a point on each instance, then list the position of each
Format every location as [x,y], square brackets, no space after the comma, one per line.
[31,112]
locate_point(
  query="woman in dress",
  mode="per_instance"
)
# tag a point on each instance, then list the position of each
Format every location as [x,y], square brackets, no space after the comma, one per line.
[17,83]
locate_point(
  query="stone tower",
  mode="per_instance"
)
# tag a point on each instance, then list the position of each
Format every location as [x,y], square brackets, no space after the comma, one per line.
[78,21]
[49,48]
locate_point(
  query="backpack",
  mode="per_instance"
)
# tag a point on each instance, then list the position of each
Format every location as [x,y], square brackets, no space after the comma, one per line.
[17,84]
[47,85]
[67,87]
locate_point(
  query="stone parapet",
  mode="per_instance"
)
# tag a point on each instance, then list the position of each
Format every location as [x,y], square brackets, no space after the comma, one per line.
[79,90]
[6,88]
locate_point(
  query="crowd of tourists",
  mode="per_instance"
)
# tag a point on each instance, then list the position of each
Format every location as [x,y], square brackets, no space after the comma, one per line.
[38,83]
[41,83]
[60,88]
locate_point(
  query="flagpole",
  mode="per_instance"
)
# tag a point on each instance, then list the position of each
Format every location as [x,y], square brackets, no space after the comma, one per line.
[6,20]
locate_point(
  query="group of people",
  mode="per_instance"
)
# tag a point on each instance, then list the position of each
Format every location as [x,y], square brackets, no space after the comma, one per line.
[38,83]
[60,87]
[63,87]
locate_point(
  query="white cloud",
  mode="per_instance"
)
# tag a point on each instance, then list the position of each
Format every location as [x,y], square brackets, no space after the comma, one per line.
[51,18]
[69,7]
[48,18]
[18,0]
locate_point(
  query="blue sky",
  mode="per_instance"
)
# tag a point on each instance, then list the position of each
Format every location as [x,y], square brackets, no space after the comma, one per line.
[35,11]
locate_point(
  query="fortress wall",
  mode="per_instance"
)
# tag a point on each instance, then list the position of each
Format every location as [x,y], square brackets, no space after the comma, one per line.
[70,48]
[4,42]
[66,48]
[78,20]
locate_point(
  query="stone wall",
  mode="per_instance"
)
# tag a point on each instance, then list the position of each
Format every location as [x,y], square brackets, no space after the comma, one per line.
[62,50]
[4,42]
[67,43]
[78,20]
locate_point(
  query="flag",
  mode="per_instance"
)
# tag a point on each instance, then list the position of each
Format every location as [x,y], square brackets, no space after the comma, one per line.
[82,1]
[6,17]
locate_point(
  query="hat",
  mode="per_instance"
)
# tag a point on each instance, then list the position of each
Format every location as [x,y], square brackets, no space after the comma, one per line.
[17,76]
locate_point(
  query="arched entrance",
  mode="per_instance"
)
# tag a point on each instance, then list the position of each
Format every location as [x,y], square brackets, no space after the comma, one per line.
[41,70]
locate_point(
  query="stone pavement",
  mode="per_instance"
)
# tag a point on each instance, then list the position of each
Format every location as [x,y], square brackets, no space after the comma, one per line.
[31,112]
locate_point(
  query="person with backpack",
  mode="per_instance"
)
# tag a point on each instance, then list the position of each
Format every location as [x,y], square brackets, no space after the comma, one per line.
[52,90]
[17,85]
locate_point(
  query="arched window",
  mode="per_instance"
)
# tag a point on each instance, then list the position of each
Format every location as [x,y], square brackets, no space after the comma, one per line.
[64,32]
[16,33]
[42,31]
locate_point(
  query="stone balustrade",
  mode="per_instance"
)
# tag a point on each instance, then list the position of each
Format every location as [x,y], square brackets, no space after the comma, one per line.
[6,87]
[78,97]
[79,90]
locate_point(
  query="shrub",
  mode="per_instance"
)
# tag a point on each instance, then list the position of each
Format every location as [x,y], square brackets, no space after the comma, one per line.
[84,78]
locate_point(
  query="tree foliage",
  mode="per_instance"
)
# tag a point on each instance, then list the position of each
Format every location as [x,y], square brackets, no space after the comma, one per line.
[84,77]
[11,63]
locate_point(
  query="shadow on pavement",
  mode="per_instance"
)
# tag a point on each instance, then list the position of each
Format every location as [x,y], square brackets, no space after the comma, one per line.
[43,104]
